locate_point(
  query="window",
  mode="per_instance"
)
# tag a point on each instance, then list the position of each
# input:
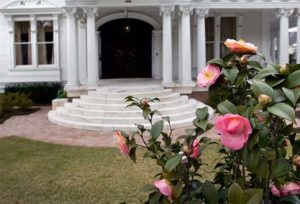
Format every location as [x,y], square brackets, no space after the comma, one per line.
[45,42]
[210,37]
[23,46]
[228,30]
[34,43]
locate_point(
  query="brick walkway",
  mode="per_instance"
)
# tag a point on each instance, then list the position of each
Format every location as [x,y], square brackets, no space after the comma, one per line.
[37,127]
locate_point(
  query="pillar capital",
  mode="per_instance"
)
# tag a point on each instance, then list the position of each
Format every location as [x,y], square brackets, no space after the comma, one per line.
[90,11]
[284,12]
[201,12]
[167,9]
[186,9]
[70,11]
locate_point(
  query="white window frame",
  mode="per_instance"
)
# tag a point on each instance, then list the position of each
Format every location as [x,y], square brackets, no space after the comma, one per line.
[33,27]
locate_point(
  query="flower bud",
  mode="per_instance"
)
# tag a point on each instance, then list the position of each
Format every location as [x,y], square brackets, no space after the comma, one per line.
[296,160]
[244,59]
[145,101]
[264,99]
[229,64]
[184,160]
[187,149]
[285,142]
[249,96]
[283,70]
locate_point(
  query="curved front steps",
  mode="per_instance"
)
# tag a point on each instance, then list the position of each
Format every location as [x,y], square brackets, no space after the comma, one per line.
[105,109]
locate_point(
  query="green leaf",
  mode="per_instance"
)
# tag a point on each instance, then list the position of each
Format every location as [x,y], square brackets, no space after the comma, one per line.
[279,96]
[231,73]
[200,124]
[266,72]
[262,168]
[268,153]
[281,167]
[273,81]
[147,188]
[202,113]
[290,95]
[260,87]
[219,62]
[254,64]
[209,193]
[157,128]
[235,194]
[283,110]
[293,79]
[241,77]
[173,163]
[177,190]
[253,195]
[227,107]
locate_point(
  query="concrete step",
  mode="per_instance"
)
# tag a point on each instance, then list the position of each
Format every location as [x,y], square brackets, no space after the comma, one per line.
[181,106]
[122,95]
[54,118]
[130,89]
[126,119]
[120,100]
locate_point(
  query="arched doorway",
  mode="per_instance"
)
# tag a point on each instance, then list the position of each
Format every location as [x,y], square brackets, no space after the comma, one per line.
[126,49]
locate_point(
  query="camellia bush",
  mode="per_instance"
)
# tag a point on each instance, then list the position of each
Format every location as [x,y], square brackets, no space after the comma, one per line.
[255,113]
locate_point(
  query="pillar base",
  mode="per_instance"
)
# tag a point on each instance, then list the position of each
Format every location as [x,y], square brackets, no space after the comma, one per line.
[167,84]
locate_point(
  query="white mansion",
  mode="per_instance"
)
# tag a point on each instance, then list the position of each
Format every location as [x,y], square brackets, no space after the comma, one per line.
[81,42]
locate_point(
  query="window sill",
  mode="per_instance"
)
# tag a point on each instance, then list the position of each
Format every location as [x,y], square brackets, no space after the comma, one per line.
[36,69]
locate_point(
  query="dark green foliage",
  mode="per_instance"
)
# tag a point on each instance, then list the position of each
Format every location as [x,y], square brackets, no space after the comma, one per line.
[39,93]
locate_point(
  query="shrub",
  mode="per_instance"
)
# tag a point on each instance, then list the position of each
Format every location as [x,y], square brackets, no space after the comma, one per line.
[11,101]
[61,94]
[39,93]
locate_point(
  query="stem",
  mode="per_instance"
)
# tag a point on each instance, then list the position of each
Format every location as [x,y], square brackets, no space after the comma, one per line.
[145,143]
[267,199]
[244,175]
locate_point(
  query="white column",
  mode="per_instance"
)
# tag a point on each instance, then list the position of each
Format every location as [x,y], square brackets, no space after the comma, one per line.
[201,41]
[91,46]
[97,54]
[217,36]
[179,47]
[72,66]
[298,36]
[156,36]
[34,56]
[239,26]
[166,11]
[56,40]
[284,35]
[11,30]
[186,60]
[82,60]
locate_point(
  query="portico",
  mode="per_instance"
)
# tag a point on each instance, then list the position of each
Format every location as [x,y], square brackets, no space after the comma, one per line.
[184,35]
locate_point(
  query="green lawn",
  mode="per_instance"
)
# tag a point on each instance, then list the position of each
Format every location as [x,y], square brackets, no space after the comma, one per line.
[36,172]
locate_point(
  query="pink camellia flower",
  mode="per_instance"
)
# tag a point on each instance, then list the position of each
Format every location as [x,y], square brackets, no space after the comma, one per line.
[164,187]
[234,130]
[208,75]
[195,149]
[121,143]
[240,47]
[291,188]
[275,191]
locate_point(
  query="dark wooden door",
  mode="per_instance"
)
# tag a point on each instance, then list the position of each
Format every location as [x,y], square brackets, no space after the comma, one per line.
[126,49]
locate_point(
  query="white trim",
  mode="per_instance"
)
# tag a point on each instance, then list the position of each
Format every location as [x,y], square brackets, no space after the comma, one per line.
[132,15]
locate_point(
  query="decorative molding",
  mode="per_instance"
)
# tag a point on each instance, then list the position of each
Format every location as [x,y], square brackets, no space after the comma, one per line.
[186,9]
[90,11]
[167,9]
[23,4]
[201,12]
[284,12]
[70,11]
[156,33]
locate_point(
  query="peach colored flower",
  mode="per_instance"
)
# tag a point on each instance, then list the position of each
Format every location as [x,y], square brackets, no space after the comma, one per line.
[296,160]
[291,188]
[164,187]
[234,130]
[121,143]
[240,47]
[208,75]
[195,149]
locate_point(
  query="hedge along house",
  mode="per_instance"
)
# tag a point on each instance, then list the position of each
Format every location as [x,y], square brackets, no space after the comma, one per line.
[81,42]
